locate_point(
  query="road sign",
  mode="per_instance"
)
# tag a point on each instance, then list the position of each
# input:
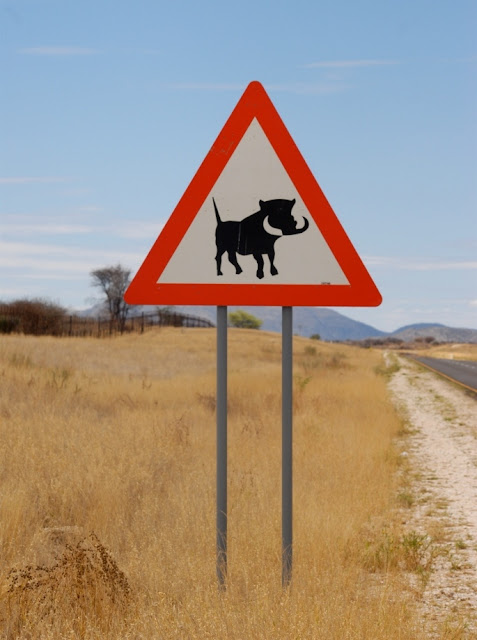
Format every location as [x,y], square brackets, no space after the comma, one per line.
[253,227]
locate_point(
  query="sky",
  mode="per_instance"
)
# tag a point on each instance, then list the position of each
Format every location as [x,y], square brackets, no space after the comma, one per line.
[107,109]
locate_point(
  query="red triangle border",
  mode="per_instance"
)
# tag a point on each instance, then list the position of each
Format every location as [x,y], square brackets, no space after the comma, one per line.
[361,290]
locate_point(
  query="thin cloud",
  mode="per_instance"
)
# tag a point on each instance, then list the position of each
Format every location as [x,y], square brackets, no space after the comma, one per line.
[11,292]
[32,180]
[31,248]
[44,264]
[415,264]
[50,275]
[59,51]
[49,229]
[207,86]
[91,208]
[298,87]
[59,259]
[151,52]
[131,230]
[138,230]
[321,88]
[348,64]
[18,249]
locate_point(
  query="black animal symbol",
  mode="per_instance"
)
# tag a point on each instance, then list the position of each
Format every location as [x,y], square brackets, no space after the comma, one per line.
[256,234]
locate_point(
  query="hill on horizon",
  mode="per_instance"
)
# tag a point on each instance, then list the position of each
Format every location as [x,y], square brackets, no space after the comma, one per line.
[328,324]
[439,332]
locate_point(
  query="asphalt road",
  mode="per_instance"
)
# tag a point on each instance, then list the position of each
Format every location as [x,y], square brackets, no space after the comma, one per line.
[462,371]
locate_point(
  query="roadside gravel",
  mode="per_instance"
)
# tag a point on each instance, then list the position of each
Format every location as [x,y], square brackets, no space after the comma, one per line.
[440,450]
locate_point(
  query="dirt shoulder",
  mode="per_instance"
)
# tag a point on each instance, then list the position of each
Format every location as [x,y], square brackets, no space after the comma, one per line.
[440,454]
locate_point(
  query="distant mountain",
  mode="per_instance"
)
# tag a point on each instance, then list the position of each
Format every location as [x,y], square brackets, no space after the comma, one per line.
[418,326]
[439,332]
[307,321]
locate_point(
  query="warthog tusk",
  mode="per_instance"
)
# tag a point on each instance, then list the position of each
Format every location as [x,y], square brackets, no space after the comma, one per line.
[305,226]
[273,231]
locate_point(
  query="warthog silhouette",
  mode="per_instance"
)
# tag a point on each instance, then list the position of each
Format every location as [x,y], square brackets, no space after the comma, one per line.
[256,234]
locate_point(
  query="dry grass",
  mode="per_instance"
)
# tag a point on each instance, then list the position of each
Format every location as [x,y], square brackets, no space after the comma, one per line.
[451,351]
[107,493]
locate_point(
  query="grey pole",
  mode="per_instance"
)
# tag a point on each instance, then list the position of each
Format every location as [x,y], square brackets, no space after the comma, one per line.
[221,446]
[287,432]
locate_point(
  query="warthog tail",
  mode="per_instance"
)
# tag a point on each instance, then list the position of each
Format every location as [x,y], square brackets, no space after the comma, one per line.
[216,212]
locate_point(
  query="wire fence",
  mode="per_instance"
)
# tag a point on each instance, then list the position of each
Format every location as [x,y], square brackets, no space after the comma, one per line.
[100,327]
[59,324]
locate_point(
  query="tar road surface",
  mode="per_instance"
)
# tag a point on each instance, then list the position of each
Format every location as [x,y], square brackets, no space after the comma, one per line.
[462,371]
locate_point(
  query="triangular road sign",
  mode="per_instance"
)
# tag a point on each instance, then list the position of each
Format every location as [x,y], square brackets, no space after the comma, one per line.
[253,228]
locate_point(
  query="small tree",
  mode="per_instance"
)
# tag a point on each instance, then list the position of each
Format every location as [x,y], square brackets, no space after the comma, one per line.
[315,336]
[243,320]
[113,282]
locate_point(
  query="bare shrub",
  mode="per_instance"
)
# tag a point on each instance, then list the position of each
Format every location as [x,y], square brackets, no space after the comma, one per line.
[85,585]
[7,324]
[36,317]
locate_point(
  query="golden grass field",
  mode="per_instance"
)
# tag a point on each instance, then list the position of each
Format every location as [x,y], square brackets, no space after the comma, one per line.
[451,351]
[107,494]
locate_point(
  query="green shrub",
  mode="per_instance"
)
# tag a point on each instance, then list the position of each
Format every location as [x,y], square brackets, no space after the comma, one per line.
[243,320]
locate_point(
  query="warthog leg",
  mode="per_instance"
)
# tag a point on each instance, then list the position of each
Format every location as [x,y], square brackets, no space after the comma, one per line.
[259,258]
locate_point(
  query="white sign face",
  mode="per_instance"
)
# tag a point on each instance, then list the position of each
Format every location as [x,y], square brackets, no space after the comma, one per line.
[299,254]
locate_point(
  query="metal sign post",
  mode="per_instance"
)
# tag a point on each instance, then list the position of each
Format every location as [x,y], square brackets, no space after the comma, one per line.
[287,441]
[287,445]
[221,446]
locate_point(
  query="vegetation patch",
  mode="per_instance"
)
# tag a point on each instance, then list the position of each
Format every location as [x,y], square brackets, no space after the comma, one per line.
[389,551]
[85,584]
[118,437]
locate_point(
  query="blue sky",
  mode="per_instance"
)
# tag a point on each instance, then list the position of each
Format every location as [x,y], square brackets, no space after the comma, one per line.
[107,109]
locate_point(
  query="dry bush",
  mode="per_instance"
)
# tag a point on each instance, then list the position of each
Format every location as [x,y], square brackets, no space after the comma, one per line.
[123,444]
[84,587]
[36,317]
